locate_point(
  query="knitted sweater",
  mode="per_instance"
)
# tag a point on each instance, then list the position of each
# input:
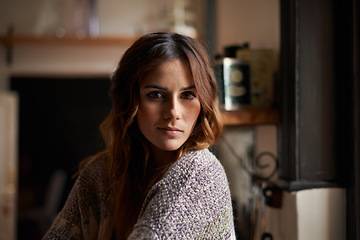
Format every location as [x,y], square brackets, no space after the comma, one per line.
[191,201]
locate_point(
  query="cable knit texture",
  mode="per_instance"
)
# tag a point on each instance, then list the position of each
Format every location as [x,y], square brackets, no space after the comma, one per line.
[191,201]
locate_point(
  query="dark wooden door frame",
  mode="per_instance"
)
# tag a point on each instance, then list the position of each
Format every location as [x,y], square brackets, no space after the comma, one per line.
[307,83]
[353,189]
[319,87]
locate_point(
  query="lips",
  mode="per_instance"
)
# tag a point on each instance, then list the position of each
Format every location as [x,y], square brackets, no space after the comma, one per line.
[170,131]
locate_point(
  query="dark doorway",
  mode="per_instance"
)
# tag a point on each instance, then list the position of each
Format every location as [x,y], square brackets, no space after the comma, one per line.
[59,122]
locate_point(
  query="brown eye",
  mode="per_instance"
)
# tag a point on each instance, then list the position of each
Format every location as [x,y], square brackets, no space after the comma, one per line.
[188,95]
[155,95]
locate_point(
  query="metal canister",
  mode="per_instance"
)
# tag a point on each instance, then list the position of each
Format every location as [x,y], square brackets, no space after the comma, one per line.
[236,77]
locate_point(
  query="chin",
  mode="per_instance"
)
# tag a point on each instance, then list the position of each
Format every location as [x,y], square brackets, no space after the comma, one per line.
[169,147]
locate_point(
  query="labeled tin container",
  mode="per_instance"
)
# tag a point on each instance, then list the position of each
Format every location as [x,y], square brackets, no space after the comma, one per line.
[236,84]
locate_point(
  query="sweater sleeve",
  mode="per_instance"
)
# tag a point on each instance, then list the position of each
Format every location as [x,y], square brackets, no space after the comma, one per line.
[192,201]
[85,214]
[67,223]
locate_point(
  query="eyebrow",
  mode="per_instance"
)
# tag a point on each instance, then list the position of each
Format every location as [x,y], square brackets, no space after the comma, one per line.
[164,89]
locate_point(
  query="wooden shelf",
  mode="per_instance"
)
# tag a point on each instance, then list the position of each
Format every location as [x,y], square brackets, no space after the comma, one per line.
[253,115]
[103,40]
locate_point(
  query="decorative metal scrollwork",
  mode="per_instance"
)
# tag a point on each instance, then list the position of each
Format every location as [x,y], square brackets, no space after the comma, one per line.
[258,163]
[267,165]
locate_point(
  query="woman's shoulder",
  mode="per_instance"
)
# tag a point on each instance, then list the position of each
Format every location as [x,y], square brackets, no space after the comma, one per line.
[204,169]
[199,170]
[193,195]
[93,167]
[86,206]
[197,175]
[92,177]
[195,163]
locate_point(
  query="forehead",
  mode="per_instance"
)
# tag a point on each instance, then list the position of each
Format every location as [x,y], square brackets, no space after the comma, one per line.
[171,72]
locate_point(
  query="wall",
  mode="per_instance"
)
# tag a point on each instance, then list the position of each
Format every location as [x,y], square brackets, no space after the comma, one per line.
[112,17]
[43,17]
[321,214]
[57,18]
[253,21]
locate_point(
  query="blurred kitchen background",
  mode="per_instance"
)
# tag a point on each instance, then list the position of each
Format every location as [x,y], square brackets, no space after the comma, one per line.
[55,60]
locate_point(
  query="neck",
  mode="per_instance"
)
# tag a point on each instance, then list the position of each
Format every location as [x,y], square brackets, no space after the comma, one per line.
[160,158]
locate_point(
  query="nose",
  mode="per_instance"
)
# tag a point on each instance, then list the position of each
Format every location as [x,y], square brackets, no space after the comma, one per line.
[172,109]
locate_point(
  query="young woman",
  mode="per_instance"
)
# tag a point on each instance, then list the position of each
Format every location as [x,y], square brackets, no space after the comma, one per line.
[156,179]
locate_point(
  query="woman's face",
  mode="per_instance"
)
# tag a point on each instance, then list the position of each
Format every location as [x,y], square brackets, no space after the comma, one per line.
[169,106]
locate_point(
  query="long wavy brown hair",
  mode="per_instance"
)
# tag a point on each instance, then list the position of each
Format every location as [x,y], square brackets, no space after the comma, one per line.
[127,151]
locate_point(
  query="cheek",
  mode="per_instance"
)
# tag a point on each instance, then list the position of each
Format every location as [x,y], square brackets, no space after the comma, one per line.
[147,113]
[194,112]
